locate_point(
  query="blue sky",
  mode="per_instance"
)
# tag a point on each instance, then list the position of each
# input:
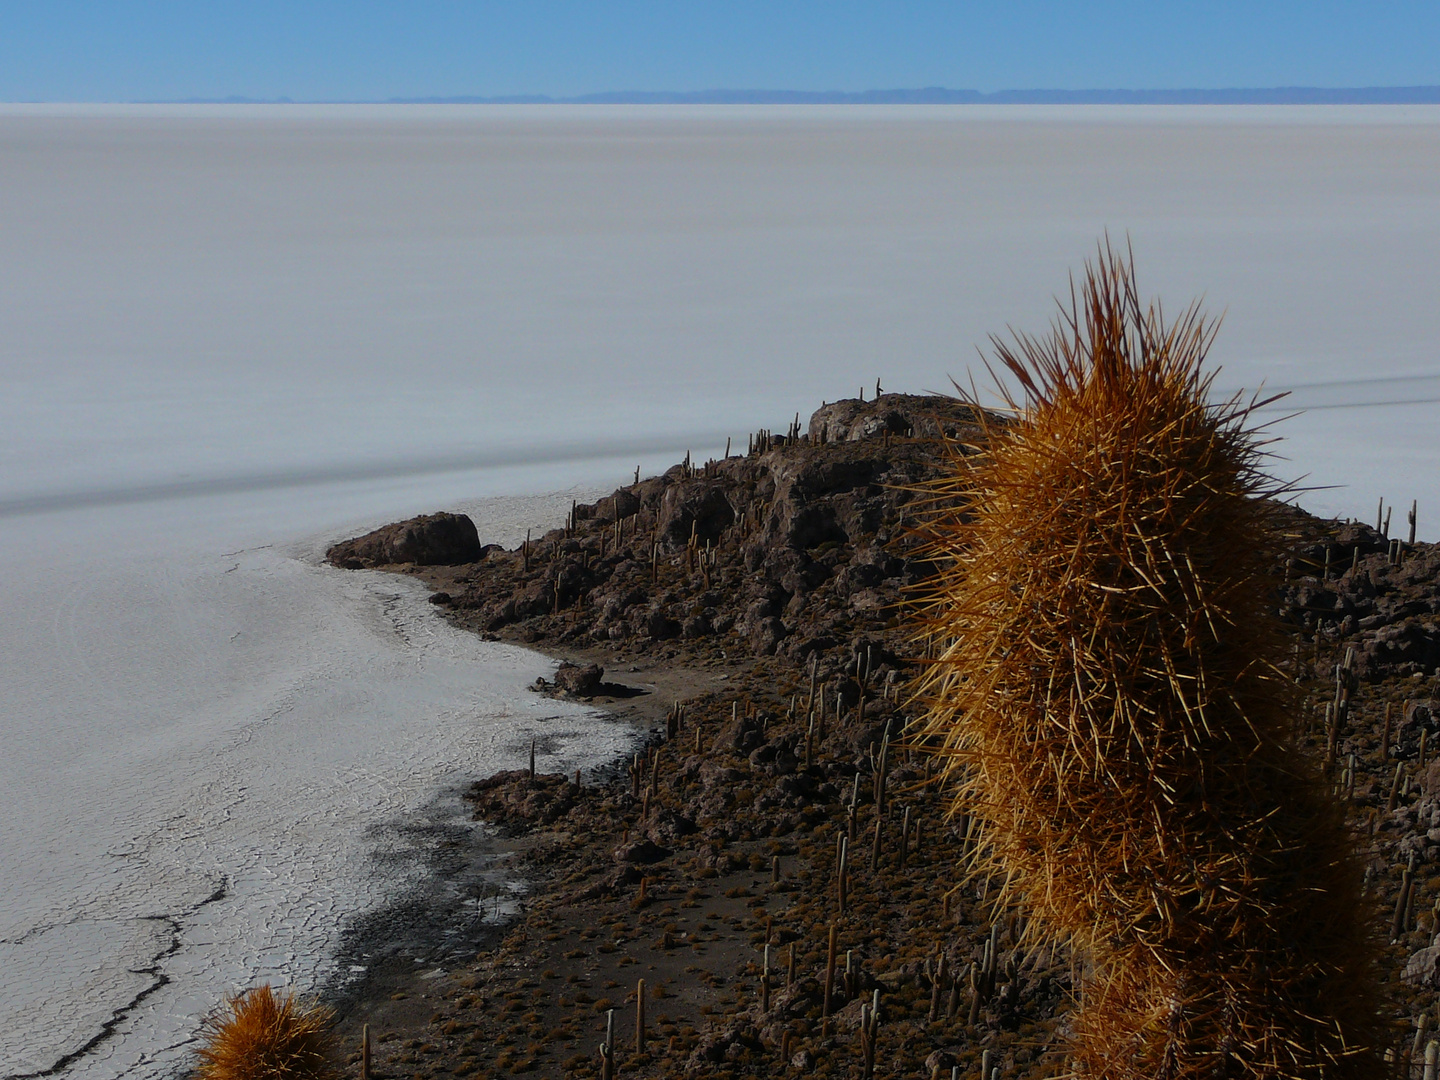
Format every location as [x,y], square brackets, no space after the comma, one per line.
[123,50]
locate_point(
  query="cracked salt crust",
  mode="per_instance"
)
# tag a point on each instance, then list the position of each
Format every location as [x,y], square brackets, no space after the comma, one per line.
[218,780]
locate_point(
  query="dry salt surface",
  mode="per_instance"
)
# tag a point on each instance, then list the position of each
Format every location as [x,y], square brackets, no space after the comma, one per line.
[232,335]
[217,760]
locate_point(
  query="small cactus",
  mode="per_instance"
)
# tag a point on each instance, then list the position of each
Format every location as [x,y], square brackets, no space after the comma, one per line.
[259,1036]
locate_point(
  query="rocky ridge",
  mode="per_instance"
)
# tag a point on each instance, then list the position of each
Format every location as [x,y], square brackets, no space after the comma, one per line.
[779,551]
[785,571]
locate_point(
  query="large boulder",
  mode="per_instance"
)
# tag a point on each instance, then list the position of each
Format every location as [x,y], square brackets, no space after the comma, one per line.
[431,540]
[622,502]
[580,680]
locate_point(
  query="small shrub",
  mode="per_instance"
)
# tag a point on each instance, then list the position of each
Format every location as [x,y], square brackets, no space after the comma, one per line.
[259,1036]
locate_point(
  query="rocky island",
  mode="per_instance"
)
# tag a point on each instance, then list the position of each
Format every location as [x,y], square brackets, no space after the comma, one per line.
[774,884]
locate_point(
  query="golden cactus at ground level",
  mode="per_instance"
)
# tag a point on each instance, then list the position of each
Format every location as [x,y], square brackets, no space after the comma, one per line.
[1108,706]
[259,1036]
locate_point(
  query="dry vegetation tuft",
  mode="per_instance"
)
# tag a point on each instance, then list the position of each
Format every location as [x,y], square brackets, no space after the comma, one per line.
[1110,709]
[259,1036]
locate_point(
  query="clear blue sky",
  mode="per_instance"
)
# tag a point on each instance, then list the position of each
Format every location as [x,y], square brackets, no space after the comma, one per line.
[121,50]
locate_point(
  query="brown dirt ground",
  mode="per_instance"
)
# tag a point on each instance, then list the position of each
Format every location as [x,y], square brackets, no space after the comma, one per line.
[538,1001]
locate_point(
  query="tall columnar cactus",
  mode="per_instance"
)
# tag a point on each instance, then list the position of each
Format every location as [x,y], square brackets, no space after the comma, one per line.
[1109,707]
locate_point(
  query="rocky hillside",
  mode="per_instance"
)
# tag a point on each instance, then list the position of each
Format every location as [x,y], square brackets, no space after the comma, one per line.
[802,542]
[787,570]
[785,550]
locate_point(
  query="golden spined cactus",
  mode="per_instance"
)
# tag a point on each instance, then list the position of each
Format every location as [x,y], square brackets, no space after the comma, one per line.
[1109,707]
[261,1036]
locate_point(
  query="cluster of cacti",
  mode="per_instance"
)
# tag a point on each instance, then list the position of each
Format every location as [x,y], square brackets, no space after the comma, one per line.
[1107,703]
[261,1036]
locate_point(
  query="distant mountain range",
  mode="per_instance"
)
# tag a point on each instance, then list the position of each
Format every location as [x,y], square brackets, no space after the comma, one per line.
[936,95]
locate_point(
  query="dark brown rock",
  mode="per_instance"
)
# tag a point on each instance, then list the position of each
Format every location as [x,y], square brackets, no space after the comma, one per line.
[666,827]
[580,681]
[661,627]
[697,509]
[431,540]
[642,852]
[622,502]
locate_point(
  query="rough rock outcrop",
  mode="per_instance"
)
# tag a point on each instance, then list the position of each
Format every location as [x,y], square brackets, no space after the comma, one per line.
[432,540]
[913,415]
[577,679]
[780,547]
[1387,609]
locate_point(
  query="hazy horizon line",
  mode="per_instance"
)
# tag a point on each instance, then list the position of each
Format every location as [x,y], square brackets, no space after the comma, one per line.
[930,95]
